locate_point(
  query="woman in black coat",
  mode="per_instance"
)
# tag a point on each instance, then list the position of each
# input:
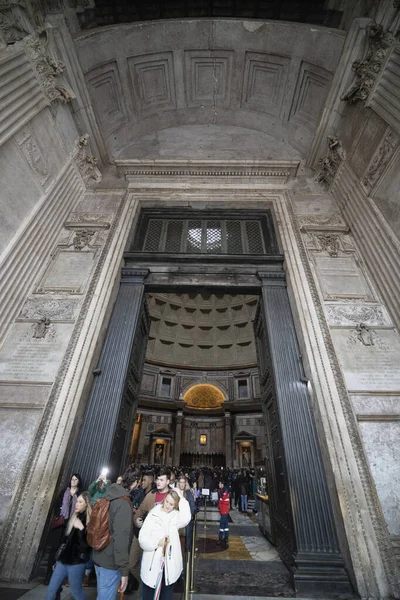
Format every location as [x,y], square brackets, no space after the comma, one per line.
[74,552]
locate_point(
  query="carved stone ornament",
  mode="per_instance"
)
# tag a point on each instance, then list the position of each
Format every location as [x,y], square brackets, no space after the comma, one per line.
[14,23]
[47,66]
[344,315]
[83,238]
[33,154]
[54,309]
[86,163]
[330,164]
[366,336]
[331,243]
[41,328]
[381,159]
[367,69]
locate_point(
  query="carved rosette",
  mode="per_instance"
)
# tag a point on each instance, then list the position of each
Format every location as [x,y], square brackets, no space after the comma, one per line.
[48,68]
[367,69]
[86,163]
[330,163]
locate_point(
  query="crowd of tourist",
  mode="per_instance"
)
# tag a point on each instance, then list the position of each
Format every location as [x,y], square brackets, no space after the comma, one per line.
[134,531]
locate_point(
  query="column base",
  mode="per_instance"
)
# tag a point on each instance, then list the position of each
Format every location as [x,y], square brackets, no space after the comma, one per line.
[321,575]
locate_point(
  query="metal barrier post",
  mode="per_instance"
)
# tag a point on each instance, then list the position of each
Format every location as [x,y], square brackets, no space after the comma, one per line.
[187,578]
[205,512]
[193,556]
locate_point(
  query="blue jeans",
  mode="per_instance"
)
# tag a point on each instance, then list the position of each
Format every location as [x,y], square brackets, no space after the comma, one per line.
[75,577]
[224,527]
[107,583]
[244,503]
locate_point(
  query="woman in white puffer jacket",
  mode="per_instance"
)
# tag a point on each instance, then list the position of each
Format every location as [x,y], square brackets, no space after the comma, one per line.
[163,521]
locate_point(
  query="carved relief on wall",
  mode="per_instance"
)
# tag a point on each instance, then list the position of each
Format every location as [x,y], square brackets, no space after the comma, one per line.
[48,68]
[330,163]
[204,396]
[381,159]
[33,154]
[86,163]
[367,69]
[331,243]
[362,334]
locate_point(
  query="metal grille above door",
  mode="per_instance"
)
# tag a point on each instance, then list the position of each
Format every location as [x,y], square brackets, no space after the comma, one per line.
[198,234]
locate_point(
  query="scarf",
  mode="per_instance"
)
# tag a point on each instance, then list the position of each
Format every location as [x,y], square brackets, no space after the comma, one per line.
[68,504]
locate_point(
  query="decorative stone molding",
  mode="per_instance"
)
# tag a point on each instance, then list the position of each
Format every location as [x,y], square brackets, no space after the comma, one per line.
[48,68]
[275,171]
[322,223]
[330,163]
[89,220]
[26,98]
[367,69]
[33,154]
[333,244]
[14,22]
[381,159]
[54,309]
[371,315]
[83,238]
[86,163]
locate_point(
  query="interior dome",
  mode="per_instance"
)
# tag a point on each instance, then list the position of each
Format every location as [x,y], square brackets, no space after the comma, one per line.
[202,330]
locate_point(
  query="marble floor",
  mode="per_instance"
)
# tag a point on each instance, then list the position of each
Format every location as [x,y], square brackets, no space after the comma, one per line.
[250,566]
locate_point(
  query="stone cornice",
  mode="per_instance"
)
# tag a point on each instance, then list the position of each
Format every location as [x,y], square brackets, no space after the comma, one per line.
[276,171]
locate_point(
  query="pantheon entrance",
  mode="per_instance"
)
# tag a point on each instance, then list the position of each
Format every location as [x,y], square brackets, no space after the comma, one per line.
[203,359]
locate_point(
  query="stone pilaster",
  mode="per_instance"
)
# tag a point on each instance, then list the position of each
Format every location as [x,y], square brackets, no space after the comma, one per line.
[318,553]
[228,440]
[94,447]
[178,438]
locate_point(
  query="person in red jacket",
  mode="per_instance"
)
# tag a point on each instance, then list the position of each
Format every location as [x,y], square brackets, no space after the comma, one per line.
[223,505]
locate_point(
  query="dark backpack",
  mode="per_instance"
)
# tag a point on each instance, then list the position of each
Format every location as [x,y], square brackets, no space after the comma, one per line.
[98,529]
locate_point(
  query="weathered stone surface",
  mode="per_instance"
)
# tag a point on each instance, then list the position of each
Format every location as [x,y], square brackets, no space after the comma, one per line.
[17,430]
[371,361]
[24,357]
[341,278]
[18,395]
[376,405]
[68,271]
[382,445]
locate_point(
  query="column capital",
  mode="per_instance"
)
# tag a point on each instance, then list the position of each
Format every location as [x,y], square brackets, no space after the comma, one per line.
[133,275]
[272,279]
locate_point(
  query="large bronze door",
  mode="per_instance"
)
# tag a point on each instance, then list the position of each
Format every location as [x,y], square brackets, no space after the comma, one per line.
[106,431]
[281,533]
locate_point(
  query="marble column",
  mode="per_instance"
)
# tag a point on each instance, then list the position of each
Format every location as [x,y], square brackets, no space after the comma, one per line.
[178,438]
[228,441]
[318,562]
[94,447]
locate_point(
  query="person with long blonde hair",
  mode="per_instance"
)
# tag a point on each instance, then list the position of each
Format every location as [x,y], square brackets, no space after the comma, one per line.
[74,551]
[159,539]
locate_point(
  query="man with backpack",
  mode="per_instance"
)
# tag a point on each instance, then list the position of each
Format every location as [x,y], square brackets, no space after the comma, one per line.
[110,534]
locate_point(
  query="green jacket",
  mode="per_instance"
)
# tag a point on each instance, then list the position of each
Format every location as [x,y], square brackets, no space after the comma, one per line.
[97,491]
[115,556]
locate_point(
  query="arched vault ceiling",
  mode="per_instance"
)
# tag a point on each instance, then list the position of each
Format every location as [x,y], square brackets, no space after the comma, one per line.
[269,77]
[200,142]
[202,330]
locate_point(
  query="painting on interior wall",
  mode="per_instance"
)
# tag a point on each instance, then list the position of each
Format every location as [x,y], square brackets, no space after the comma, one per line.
[159,454]
[246,458]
